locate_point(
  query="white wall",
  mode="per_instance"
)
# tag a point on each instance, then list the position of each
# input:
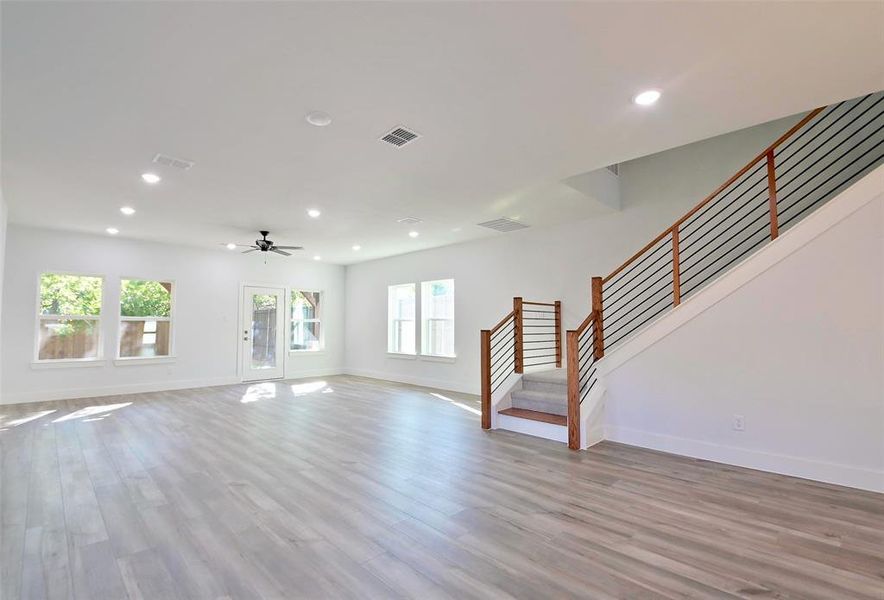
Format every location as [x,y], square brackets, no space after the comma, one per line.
[206,328]
[3,213]
[797,350]
[542,264]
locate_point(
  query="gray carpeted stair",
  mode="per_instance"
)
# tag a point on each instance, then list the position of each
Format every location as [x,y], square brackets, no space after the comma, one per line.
[543,391]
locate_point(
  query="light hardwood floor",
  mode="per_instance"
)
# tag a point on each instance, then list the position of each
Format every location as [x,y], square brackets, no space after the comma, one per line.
[366,489]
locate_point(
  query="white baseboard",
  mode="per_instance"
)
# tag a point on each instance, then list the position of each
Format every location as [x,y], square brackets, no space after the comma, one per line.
[431,382]
[839,474]
[113,390]
[310,373]
[140,388]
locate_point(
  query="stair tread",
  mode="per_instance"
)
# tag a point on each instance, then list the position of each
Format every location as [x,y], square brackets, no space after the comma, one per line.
[535,415]
[541,396]
[548,376]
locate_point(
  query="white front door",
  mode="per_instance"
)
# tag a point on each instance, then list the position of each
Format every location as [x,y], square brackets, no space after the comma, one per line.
[263,333]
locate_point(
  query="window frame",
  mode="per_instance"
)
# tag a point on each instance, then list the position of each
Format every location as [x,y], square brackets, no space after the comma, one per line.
[291,320]
[415,320]
[424,320]
[128,360]
[98,359]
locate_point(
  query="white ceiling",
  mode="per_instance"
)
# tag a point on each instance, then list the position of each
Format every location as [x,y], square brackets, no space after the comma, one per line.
[511,98]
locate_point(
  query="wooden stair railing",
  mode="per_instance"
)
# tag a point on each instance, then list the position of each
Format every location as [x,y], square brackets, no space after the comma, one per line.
[582,347]
[525,337]
[831,147]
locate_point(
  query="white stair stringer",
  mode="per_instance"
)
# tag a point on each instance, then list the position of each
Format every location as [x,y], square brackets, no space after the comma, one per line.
[592,412]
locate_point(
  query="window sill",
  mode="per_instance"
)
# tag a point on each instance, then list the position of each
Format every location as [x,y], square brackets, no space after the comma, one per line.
[401,356]
[65,363]
[144,360]
[312,352]
[442,359]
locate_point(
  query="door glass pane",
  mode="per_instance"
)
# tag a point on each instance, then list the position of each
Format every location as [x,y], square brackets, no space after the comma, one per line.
[264,312]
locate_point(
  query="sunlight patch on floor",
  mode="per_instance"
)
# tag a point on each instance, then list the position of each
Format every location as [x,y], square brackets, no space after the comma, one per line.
[91,411]
[475,411]
[29,418]
[259,391]
[300,389]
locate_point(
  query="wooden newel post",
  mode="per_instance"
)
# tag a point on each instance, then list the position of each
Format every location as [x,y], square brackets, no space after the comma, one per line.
[676,273]
[772,195]
[599,337]
[558,334]
[518,333]
[573,391]
[485,354]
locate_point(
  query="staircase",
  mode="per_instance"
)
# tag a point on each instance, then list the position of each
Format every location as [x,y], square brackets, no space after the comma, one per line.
[543,397]
[828,150]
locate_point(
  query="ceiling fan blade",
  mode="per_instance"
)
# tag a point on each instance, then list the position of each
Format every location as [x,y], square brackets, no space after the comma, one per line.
[249,250]
[290,247]
[278,251]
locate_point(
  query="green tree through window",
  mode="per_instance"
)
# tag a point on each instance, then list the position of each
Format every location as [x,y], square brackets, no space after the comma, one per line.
[69,294]
[140,298]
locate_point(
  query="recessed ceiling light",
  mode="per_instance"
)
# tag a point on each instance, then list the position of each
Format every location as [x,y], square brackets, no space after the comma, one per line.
[313,213]
[317,257]
[647,98]
[318,118]
[231,246]
[150,177]
[127,210]
[357,247]
[112,230]
[413,234]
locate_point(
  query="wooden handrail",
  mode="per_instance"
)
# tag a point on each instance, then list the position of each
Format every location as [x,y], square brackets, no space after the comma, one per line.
[582,327]
[769,150]
[502,322]
[539,303]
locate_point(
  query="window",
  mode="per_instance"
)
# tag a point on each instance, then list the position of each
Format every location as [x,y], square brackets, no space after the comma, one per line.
[145,318]
[437,317]
[400,319]
[306,321]
[69,319]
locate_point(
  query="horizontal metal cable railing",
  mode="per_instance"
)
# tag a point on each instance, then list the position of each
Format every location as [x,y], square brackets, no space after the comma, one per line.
[529,336]
[826,151]
[829,149]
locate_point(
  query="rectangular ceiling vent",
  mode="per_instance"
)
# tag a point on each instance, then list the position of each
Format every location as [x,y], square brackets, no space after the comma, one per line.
[175,163]
[399,136]
[503,224]
[409,220]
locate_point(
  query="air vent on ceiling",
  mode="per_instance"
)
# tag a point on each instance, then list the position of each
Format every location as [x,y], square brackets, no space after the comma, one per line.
[399,136]
[409,220]
[503,224]
[615,169]
[176,163]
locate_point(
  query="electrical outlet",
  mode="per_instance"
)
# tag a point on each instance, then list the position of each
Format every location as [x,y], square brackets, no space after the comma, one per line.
[739,423]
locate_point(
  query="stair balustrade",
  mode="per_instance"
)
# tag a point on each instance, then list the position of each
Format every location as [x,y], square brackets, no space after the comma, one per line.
[529,336]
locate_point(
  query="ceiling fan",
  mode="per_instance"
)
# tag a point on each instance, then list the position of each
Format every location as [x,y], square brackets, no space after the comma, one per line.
[265,245]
